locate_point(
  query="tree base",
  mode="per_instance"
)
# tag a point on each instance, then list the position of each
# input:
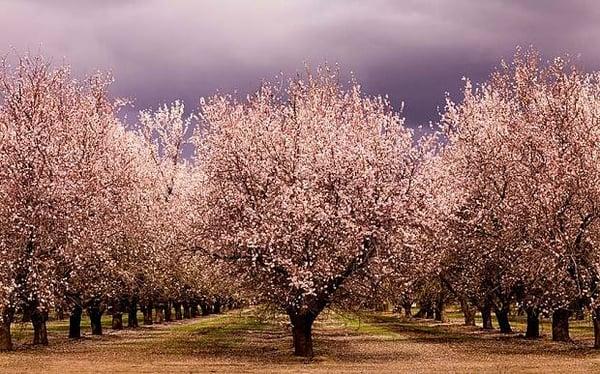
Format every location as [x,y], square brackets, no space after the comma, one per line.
[75,322]
[560,325]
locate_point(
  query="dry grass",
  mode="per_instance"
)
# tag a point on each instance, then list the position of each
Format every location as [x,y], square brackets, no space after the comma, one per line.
[243,341]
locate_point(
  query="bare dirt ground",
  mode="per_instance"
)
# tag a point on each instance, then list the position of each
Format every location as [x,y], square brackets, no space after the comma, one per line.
[243,341]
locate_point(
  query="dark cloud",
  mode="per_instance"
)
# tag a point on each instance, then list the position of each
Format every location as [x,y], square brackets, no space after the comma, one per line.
[160,50]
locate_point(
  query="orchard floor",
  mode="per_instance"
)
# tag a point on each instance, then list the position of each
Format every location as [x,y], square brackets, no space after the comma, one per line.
[249,341]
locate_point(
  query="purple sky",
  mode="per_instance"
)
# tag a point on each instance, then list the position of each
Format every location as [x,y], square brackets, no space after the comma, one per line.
[160,50]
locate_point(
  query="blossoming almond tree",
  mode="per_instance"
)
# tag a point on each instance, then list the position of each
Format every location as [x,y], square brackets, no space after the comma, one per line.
[524,152]
[52,127]
[302,189]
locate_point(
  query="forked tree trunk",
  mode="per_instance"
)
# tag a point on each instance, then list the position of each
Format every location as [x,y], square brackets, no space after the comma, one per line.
[468,312]
[5,336]
[178,315]
[503,322]
[596,321]
[75,322]
[132,320]
[95,314]
[486,316]
[302,334]
[533,324]
[560,325]
[40,332]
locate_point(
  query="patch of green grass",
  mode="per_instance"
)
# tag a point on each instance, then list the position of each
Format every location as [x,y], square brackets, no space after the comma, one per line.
[362,324]
[220,332]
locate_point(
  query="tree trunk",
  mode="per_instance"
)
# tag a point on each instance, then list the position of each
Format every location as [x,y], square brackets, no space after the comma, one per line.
[117,316]
[95,314]
[178,315]
[425,310]
[533,324]
[60,314]
[217,307]
[194,310]
[117,320]
[26,315]
[580,310]
[302,334]
[160,318]
[187,313]
[429,313]
[132,320]
[468,312]
[438,311]
[5,336]
[147,314]
[40,333]
[503,322]
[407,306]
[596,321]
[486,316]
[75,322]
[560,325]
[204,309]
[168,315]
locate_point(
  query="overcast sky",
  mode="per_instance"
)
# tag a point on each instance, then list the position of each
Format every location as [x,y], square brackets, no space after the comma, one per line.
[160,50]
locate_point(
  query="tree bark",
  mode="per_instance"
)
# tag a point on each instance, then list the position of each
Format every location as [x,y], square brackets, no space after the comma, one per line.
[26,315]
[194,310]
[5,335]
[438,311]
[187,313]
[95,314]
[168,314]
[429,313]
[75,322]
[468,312]
[204,309]
[503,322]
[579,311]
[117,316]
[160,317]
[302,334]
[425,310]
[147,309]
[117,320]
[40,332]
[560,325]
[407,306]
[533,324]
[178,315]
[60,314]
[132,320]
[596,321]
[486,316]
